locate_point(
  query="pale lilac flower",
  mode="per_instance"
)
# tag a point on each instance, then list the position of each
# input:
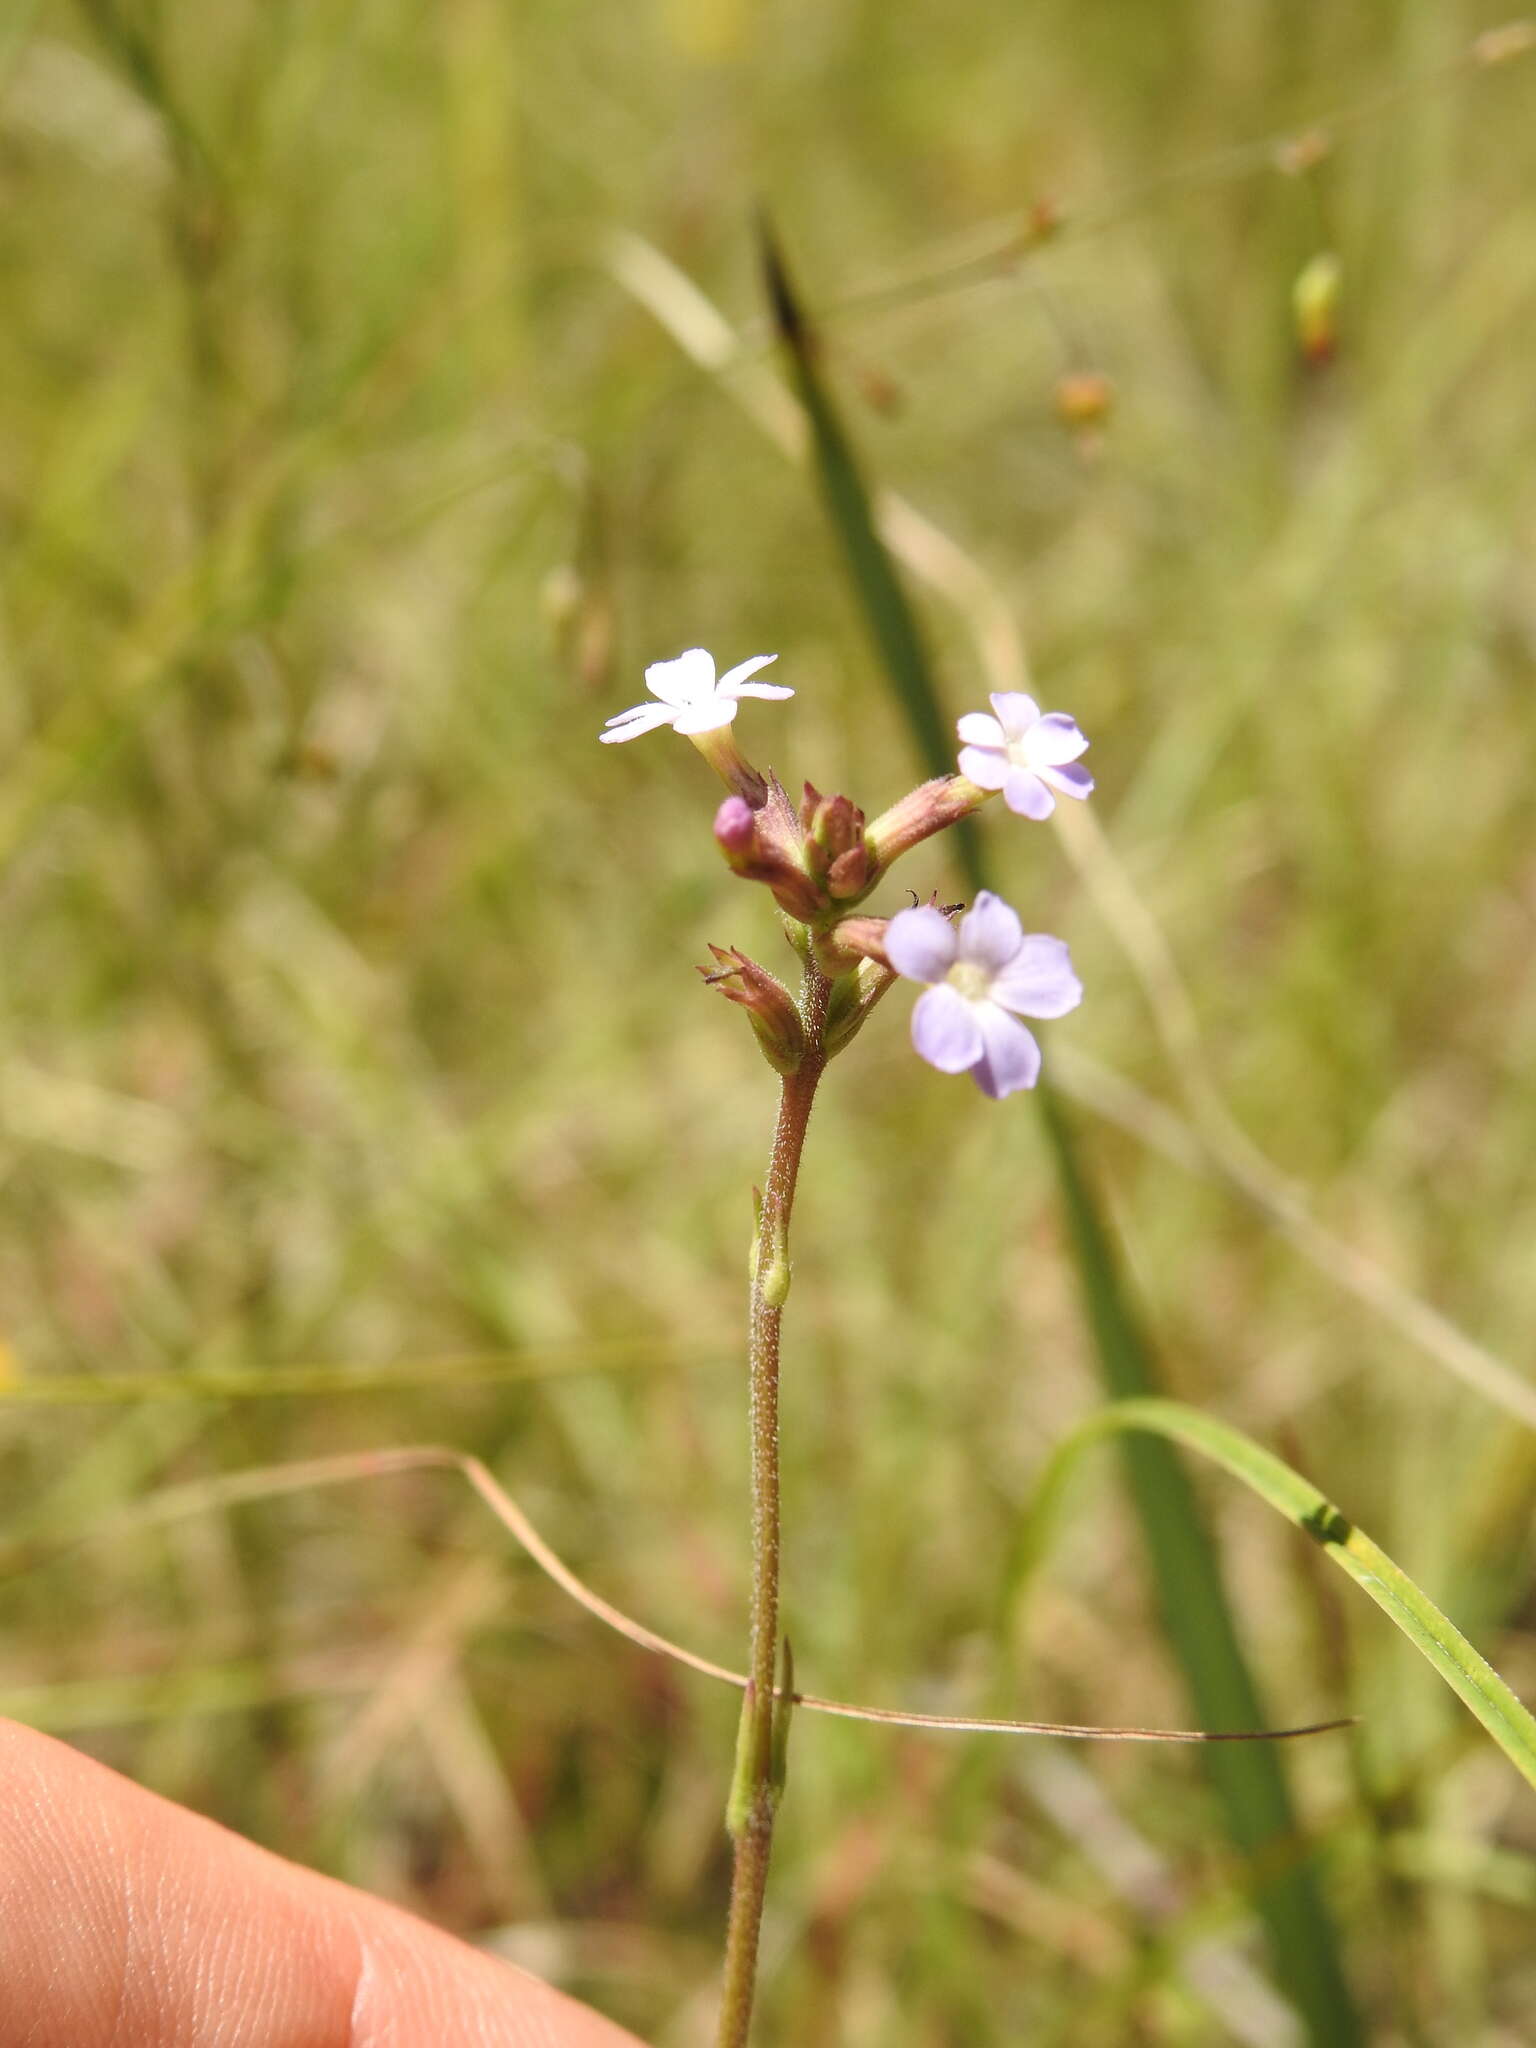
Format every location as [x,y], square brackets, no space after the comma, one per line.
[984,973]
[690,697]
[1023,754]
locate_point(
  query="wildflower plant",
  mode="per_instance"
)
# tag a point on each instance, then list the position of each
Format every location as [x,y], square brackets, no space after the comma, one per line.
[981,974]
[821,860]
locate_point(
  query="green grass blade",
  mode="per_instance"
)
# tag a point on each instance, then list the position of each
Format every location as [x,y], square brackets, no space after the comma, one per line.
[891,620]
[1248,1778]
[1437,1639]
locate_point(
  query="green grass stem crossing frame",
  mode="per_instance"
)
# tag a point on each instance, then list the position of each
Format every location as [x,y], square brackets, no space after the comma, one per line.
[1249,1779]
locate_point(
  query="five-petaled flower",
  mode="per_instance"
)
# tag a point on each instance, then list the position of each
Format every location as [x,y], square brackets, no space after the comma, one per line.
[984,973]
[1024,754]
[691,699]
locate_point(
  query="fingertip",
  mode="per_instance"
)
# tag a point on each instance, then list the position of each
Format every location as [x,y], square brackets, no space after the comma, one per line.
[124,1917]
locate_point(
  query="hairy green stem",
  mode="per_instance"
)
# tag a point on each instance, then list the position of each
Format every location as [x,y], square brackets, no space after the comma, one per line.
[759,1756]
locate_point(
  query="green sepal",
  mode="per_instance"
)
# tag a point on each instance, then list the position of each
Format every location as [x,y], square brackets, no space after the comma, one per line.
[738,1807]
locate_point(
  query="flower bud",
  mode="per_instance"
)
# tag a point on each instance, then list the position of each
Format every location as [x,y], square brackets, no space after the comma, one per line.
[1315,304]
[768,1003]
[733,825]
[835,849]
[853,997]
[1083,399]
[849,874]
[851,940]
[930,808]
[761,845]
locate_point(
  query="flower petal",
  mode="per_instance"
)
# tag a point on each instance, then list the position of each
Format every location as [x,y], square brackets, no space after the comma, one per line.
[705,717]
[990,933]
[732,683]
[979,729]
[1027,794]
[1069,779]
[1010,1057]
[946,1029]
[1038,981]
[648,710]
[1016,713]
[983,766]
[921,944]
[1055,739]
[630,724]
[687,680]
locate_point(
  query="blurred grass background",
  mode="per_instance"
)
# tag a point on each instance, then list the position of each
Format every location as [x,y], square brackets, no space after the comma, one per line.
[348,1011]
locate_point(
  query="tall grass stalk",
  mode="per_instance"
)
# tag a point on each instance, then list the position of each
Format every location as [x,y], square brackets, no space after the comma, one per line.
[1248,1779]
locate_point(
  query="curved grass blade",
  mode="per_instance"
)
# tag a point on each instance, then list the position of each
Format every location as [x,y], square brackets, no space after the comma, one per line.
[1249,1781]
[1438,1640]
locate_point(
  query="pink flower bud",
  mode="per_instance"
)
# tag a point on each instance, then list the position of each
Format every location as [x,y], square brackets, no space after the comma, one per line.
[761,843]
[734,825]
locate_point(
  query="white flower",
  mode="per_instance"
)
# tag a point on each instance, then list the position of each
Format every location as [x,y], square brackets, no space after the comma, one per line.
[1023,754]
[983,974]
[691,699]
